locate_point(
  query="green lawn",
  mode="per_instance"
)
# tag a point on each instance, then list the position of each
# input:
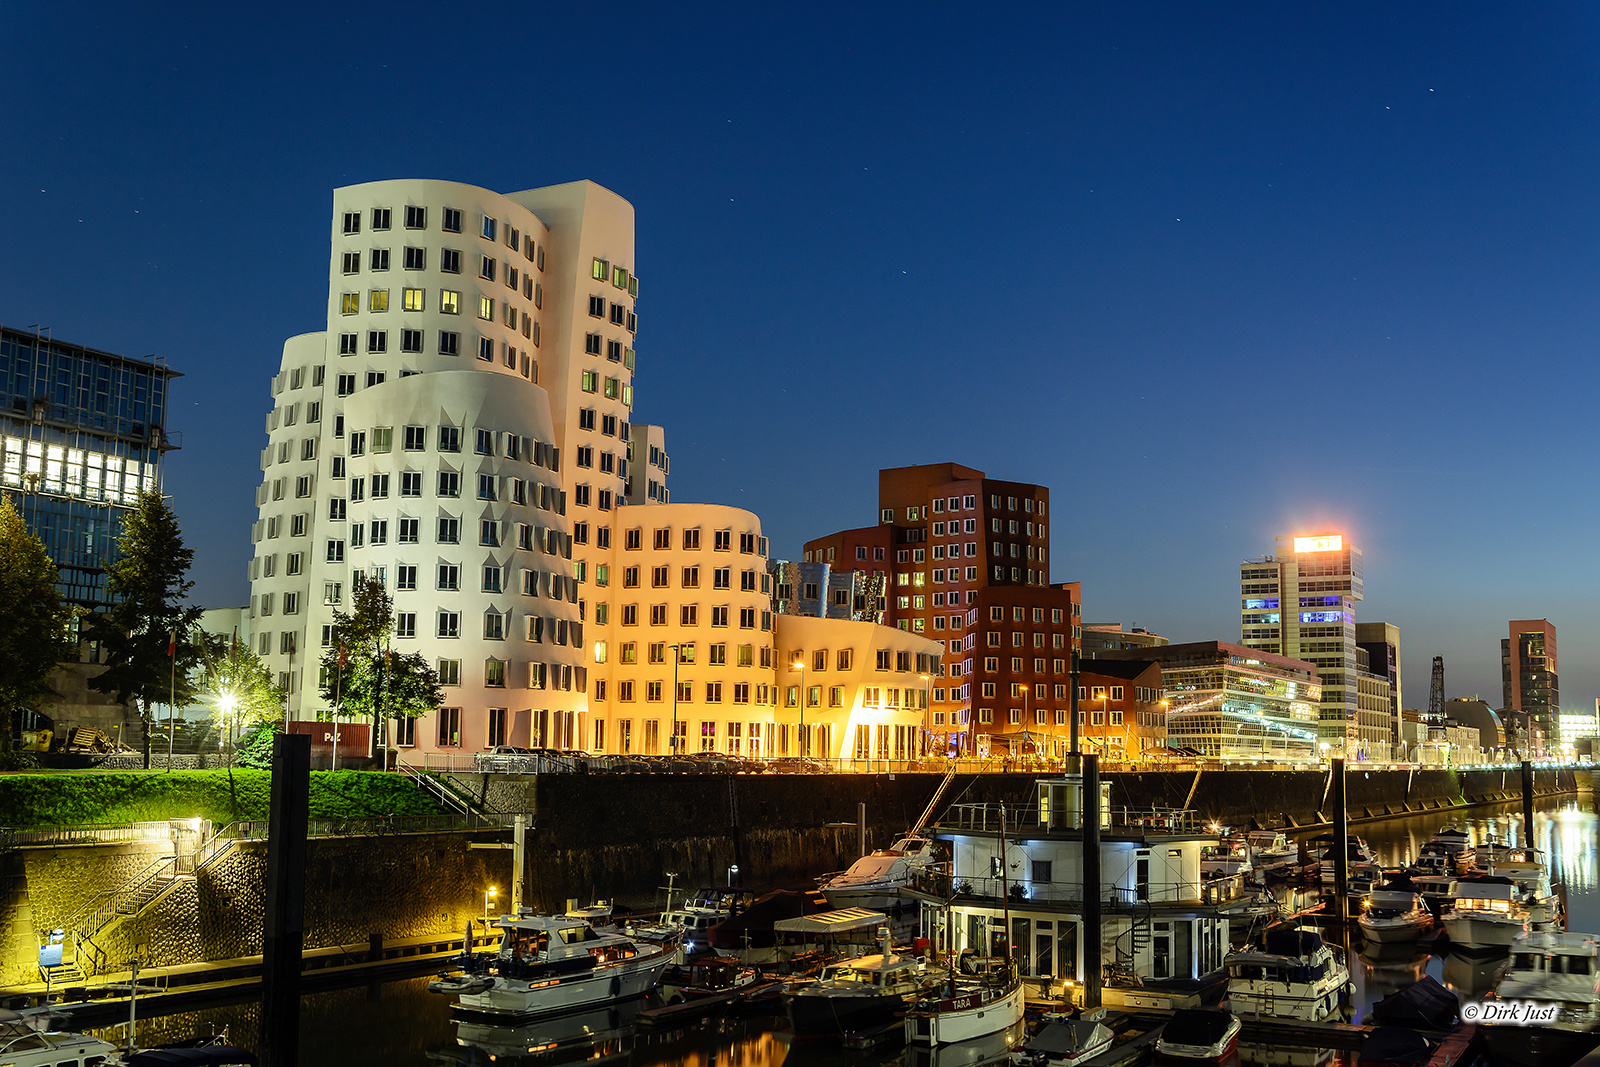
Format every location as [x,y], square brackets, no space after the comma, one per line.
[77,798]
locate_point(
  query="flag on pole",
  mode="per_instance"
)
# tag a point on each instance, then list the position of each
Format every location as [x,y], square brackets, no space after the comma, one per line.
[341,655]
[172,642]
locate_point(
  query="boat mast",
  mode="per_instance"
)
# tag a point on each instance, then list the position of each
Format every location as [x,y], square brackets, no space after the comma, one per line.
[1005,893]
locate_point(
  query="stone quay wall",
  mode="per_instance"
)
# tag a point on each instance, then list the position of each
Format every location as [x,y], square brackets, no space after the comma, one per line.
[399,886]
[618,836]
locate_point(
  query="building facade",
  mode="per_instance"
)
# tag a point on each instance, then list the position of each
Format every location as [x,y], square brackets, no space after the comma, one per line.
[1121,712]
[1230,702]
[459,431]
[82,434]
[966,561]
[1300,603]
[1380,642]
[1530,678]
[1102,636]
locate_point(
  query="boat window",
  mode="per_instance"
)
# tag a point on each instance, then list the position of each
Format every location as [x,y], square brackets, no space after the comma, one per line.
[1556,964]
[1525,962]
[1578,965]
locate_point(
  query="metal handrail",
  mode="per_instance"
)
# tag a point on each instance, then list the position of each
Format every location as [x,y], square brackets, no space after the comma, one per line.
[935,880]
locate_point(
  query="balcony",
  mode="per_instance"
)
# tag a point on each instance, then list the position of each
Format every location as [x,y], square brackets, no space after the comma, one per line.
[935,881]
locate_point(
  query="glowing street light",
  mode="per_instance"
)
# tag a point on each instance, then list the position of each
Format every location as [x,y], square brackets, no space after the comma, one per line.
[800,665]
[489,894]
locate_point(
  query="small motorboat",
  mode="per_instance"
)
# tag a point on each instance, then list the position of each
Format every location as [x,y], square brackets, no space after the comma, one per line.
[1064,1041]
[1423,1005]
[1199,1035]
[858,994]
[1387,915]
[1395,1046]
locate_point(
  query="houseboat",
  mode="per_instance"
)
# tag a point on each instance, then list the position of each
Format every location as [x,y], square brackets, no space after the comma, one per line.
[1161,924]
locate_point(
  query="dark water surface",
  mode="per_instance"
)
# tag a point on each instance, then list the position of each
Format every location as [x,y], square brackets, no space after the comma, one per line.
[402,1024]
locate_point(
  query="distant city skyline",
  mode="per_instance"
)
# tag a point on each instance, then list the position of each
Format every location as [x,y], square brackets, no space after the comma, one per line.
[1208,275]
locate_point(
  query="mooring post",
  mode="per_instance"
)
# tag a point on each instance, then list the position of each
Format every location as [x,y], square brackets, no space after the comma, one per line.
[1341,843]
[519,868]
[1092,949]
[1527,805]
[283,932]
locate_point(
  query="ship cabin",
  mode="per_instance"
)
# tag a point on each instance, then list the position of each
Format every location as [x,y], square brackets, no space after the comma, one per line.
[1161,921]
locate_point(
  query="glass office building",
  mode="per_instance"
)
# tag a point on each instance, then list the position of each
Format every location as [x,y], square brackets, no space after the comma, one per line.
[82,433]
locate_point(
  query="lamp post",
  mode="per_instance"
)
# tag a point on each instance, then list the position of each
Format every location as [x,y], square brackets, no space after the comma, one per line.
[677,658]
[927,747]
[800,665]
[488,895]
[226,703]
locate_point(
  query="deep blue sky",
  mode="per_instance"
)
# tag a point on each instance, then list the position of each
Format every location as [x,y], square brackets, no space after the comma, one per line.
[1211,272]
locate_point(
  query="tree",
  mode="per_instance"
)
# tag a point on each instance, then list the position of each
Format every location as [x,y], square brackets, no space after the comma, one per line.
[33,619]
[363,677]
[146,633]
[238,684]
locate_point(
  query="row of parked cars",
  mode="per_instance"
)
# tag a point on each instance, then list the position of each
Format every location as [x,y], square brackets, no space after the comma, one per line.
[509,759]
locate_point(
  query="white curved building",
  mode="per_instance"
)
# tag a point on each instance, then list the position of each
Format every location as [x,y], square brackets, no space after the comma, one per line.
[516,314]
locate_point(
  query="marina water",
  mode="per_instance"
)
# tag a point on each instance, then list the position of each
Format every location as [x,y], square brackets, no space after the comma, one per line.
[401,1024]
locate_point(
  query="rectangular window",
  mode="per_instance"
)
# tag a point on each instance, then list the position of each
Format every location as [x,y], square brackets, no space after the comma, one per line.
[378,300]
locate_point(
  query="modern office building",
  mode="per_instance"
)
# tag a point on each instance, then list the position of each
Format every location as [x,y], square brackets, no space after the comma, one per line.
[1379,644]
[82,434]
[460,431]
[1300,603]
[1530,679]
[1102,636]
[1230,702]
[966,560]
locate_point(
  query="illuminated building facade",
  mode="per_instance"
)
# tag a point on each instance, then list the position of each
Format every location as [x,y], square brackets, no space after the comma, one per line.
[1300,603]
[1121,713]
[82,434]
[1531,680]
[1230,702]
[966,561]
[460,431]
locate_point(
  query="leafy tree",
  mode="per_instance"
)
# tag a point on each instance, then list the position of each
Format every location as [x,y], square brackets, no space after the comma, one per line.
[33,618]
[237,684]
[363,677]
[147,584]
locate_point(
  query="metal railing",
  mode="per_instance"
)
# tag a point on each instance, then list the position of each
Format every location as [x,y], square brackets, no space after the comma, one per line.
[986,817]
[936,881]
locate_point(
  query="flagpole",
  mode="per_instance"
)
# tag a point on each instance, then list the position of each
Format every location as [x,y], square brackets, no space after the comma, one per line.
[338,684]
[172,689]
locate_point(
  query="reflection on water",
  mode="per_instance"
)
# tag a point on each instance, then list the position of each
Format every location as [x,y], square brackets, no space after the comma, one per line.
[402,1024]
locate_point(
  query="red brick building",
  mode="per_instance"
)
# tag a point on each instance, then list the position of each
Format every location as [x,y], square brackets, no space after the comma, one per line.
[967,563]
[1121,714]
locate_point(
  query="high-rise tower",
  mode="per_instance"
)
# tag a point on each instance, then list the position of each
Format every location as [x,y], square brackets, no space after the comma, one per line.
[1300,603]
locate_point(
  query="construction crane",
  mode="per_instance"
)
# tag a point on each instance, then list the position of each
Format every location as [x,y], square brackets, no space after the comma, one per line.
[1436,694]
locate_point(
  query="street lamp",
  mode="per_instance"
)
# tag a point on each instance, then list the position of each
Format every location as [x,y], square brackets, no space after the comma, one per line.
[488,895]
[733,870]
[226,703]
[927,747]
[677,658]
[800,665]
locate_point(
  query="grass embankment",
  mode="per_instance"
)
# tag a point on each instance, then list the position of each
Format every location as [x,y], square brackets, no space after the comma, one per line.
[81,798]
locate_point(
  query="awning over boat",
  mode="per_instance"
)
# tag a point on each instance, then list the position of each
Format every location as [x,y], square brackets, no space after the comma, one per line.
[831,922]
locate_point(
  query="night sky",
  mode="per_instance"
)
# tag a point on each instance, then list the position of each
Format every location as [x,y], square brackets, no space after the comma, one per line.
[1213,273]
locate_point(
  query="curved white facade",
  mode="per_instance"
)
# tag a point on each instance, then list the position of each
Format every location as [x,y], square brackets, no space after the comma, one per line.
[516,315]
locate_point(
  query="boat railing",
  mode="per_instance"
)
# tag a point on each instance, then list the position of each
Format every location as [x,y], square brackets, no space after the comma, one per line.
[937,881]
[1114,818]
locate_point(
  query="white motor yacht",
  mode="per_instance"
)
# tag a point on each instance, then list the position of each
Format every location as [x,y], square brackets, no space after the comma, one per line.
[1295,976]
[874,881]
[1272,849]
[547,965]
[1532,878]
[1485,917]
[21,1045]
[1228,857]
[1387,915]
[1550,967]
